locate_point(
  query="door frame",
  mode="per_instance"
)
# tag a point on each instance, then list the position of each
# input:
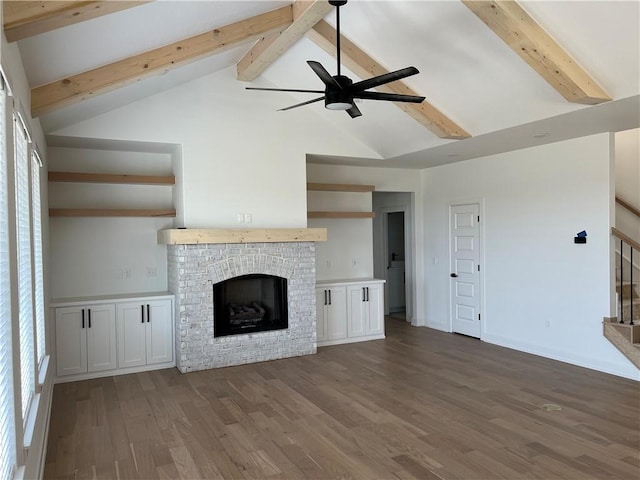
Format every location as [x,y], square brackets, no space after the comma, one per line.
[408,254]
[482,262]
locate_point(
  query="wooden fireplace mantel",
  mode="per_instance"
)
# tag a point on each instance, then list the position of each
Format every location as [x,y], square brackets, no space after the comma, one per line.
[192,236]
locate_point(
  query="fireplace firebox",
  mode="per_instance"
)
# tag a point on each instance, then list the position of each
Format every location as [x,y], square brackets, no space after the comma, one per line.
[250,303]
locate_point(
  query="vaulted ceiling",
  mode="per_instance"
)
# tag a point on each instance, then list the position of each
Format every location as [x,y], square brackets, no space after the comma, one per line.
[494,73]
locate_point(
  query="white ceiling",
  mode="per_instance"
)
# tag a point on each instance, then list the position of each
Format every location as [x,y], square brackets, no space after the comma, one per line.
[466,71]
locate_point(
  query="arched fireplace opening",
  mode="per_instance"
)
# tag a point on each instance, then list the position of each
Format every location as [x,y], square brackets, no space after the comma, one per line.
[250,303]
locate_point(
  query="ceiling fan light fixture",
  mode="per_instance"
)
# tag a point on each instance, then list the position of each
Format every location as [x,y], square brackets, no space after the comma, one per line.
[338,106]
[337,101]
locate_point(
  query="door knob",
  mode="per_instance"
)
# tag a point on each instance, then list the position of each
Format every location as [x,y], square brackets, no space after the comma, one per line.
[454,275]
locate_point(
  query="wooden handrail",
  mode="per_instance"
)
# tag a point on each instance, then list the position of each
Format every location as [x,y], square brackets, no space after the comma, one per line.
[625,238]
[628,206]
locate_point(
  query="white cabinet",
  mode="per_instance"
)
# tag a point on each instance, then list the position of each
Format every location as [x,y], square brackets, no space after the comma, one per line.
[349,311]
[113,335]
[331,304]
[145,334]
[366,311]
[85,339]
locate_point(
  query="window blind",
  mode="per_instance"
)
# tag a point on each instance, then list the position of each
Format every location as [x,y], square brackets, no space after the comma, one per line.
[25,302]
[7,430]
[37,257]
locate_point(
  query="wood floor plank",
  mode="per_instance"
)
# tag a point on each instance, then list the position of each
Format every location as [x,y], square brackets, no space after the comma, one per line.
[420,404]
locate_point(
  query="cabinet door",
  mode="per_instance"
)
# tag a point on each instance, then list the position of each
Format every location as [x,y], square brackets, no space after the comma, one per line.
[336,321]
[101,337]
[357,312]
[71,341]
[159,341]
[321,314]
[131,327]
[375,309]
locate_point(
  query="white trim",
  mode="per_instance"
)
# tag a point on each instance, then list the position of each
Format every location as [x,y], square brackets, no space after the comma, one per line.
[43,371]
[34,151]
[114,373]
[24,126]
[593,363]
[341,341]
[30,424]
[5,80]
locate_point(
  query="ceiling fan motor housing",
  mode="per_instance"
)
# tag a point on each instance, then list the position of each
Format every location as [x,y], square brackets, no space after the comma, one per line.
[339,98]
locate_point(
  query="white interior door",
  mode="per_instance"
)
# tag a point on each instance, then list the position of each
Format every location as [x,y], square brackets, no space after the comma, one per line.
[465,269]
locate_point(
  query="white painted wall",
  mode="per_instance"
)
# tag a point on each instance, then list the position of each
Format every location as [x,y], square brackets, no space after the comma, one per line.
[350,239]
[627,167]
[533,201]
[239,155]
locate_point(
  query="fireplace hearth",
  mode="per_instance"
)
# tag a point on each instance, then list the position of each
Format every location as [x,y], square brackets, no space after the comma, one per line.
[248,304]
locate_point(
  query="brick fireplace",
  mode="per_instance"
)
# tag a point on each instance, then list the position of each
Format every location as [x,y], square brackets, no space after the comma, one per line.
[197,262]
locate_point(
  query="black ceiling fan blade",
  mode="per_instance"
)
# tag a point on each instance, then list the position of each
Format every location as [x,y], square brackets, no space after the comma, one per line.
[384,78]
[325,76]
[284,90]
[392,97]
[354,111]
[301,104]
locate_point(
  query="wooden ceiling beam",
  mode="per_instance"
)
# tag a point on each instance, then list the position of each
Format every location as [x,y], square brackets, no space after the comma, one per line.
[22,19]
[360,63]
[76,88]
[528,39]
[268,49]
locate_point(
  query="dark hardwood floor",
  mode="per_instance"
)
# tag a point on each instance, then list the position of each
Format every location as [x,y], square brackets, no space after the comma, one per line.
[421,404]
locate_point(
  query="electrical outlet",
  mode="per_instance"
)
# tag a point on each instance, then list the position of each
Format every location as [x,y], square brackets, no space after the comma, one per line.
[152,272]
[241,218]
[248,218]
[354,263]
[547,323]
[126,273]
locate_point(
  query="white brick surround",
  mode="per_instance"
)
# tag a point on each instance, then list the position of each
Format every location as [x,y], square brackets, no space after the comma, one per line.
[194,269]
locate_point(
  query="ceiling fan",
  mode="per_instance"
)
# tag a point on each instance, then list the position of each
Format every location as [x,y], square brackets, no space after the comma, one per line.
[340,92]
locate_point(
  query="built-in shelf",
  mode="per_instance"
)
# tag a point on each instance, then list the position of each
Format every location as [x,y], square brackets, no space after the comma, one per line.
[340,187]
[193,236]
[340,214]
[112,178]
[111,212]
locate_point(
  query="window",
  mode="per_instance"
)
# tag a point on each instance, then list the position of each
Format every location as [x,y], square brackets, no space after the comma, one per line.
[37,257]
[25,290]
[7,433]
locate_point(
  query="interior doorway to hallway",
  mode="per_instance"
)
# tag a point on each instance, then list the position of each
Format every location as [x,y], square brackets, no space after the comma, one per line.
[395,259]
[393,251]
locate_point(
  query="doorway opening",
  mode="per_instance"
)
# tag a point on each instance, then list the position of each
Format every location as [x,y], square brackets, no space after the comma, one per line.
[394,251]
[395,259]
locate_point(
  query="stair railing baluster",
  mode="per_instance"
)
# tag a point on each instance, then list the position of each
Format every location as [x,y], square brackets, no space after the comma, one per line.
[631,289]
[621,283]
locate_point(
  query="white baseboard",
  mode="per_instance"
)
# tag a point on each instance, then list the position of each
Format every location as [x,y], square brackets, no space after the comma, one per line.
[591,363]
[113,373]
